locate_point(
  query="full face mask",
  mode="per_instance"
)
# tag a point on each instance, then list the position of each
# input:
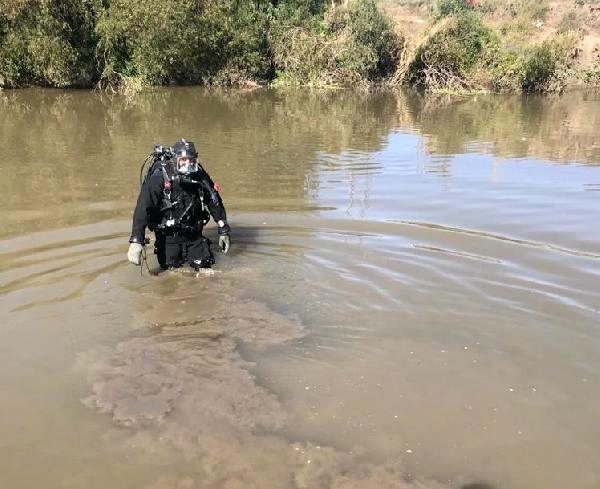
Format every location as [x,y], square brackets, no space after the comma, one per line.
[187,165]
[186,157]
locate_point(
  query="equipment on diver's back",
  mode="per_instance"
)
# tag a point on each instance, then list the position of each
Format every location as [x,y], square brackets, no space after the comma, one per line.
[182,157]
[160,156]
[160,150]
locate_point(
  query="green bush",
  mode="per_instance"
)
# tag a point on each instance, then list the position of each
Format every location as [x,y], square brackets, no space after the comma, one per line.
[449,58]
[298,13]
[183,41]
[536,69]
[445,8]
[297,41]
[15,67]
[47,42]
[301,56]
[352,44]
[373,47]
[539,67]
[507,71]
[128,44]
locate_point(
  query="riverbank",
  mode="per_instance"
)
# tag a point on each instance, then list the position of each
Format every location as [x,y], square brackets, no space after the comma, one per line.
[448,45]
[497,45]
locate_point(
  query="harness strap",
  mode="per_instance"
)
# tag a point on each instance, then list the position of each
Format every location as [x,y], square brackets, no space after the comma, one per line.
[175,224]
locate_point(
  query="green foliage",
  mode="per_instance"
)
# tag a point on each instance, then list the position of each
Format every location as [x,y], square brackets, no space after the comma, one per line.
[131,45]
[352,44]
[462,53]
[373,48]
[301,56]
[298,13]
[455,49]
[507,71]
[156,42]
[446,8]
[47,42]
[183,41]
[15,67]
[536,69]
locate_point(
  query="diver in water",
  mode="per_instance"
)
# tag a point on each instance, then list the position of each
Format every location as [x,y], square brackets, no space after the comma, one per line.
[175,200]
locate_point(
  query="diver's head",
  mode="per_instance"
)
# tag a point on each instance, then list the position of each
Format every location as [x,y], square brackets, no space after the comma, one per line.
[185,156]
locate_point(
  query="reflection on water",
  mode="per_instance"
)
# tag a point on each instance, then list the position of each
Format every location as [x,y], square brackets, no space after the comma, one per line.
[411,298]
[553,128]
[73,155]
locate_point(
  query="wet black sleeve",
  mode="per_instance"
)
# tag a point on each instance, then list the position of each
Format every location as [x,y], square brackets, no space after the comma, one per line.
[147,207]
[214,202]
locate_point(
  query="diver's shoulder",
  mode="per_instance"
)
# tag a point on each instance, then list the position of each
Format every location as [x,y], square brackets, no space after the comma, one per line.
[199,175]
[156,179]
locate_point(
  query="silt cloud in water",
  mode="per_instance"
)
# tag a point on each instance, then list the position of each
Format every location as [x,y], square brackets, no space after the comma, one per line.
[183,388]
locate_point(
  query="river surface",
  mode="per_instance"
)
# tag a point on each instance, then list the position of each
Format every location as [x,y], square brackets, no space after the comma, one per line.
[411,300]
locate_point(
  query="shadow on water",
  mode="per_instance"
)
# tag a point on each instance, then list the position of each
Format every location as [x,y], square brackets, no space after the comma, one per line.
[246,238]
[477,485]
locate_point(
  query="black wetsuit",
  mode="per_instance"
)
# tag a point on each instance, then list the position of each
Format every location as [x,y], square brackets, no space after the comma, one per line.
[176,210]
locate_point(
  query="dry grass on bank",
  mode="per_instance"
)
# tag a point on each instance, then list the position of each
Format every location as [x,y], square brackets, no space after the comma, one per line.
[572,26]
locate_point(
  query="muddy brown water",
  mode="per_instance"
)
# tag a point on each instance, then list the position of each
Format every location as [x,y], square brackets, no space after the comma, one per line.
[412,297]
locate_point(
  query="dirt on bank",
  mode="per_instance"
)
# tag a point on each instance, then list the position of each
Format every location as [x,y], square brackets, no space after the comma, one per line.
[520,24]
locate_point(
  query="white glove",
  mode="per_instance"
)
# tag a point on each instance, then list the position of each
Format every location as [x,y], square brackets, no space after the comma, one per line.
[224,243]
[134,255]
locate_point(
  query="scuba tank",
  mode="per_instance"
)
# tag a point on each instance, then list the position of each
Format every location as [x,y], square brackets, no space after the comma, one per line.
[159,157]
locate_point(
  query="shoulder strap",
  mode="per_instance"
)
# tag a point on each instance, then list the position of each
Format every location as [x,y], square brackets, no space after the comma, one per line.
[167,183]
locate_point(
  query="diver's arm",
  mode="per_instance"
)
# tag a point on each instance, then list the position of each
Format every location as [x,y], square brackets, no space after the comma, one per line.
[214,202]
[148,203]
